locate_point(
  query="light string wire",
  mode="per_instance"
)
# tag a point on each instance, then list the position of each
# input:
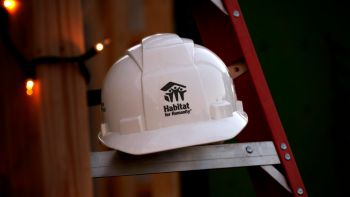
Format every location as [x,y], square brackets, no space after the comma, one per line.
[29,66]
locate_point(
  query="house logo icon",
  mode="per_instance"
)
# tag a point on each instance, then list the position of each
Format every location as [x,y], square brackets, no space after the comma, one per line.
[173,90]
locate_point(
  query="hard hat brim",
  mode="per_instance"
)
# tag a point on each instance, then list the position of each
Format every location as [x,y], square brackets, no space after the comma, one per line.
[178,136]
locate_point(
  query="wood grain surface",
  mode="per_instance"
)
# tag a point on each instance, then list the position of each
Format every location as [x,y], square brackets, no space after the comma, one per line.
[45,137]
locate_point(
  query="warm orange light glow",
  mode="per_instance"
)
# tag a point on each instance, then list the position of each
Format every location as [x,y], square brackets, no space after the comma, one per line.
[30,84]
[29,92]
[99,47]
[10,4]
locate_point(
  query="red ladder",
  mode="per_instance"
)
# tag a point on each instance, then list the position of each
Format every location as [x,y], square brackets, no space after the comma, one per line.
[226,35]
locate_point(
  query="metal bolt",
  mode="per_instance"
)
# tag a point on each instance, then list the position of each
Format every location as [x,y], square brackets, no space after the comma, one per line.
[249,149]
[236,13]
[284,146]
[287,156]
[300,191]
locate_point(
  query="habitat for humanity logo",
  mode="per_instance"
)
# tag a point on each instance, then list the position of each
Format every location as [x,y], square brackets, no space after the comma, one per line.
[174,91]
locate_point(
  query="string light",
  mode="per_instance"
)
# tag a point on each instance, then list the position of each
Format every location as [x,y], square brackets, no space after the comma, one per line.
[99,46]
[29,86]
[29,92]
[10,4]
[29,65]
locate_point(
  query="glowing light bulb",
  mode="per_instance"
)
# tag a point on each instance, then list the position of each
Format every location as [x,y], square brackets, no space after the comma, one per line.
[30,84]
[10,4]
[29,92]
[99,47]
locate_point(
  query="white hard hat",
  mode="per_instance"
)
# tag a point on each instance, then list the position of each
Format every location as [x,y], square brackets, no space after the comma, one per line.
[168,93]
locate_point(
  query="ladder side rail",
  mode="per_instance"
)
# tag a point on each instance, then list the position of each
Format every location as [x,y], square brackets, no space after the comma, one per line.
[219,35]
[265,97]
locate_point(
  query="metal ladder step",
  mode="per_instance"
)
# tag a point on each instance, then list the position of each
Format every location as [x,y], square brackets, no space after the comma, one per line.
[115,163]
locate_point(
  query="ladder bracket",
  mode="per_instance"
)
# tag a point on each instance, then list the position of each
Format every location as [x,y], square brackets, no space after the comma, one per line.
[220,5]
[275,174]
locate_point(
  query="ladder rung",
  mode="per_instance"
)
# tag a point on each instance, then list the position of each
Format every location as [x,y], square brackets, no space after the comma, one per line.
[115,163]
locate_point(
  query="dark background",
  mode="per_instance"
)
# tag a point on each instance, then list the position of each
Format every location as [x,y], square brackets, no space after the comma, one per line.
[303,48]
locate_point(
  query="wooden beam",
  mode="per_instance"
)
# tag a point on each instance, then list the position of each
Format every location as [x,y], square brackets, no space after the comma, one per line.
[166,184]
[44,138]
[20,171]
[62,103]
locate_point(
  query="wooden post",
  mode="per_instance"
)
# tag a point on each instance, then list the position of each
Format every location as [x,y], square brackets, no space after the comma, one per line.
[44,138]
[62,103]
[20,166]
[106,19]
[166,184]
